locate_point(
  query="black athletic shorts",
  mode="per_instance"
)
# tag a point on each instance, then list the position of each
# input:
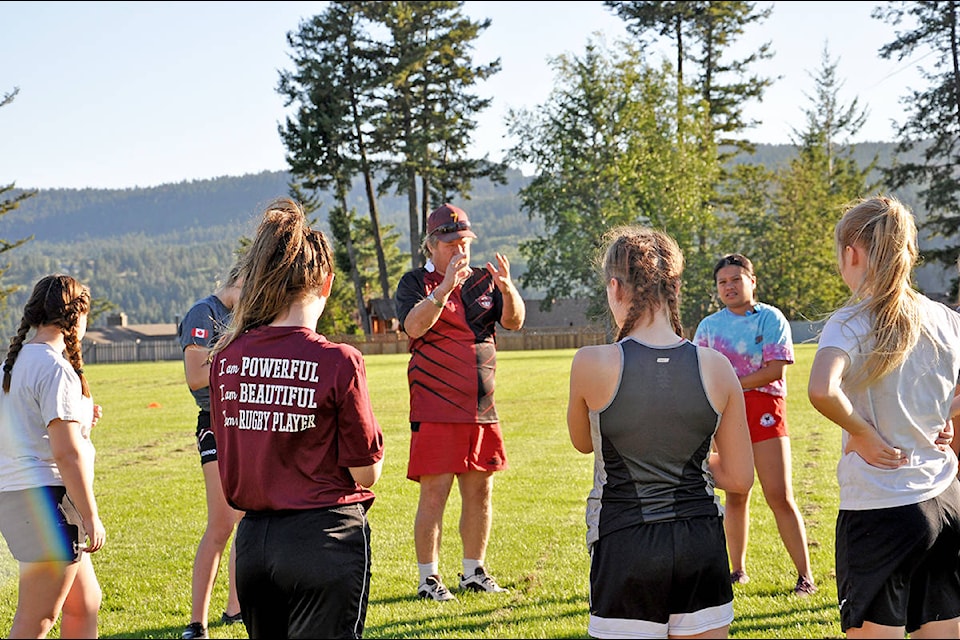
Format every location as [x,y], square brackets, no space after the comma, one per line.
[206,443]
[651,580]
[304,574]
[899,566]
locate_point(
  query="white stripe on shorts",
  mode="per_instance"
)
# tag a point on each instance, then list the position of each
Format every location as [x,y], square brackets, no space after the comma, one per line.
[680,624]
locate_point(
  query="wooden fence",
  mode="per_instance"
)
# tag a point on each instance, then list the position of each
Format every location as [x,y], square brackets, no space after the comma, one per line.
[525,339]
[132,351]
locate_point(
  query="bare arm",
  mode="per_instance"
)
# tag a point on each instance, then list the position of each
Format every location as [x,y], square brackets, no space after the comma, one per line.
[367,476]
[74,460]
[770,371]
[731,462]
[955,403]
[578,414]
[948,432]
[196,369]
[828,398]
[593,377]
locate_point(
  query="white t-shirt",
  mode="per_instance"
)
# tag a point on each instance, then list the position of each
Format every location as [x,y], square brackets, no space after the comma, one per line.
[43,387]
[908,407]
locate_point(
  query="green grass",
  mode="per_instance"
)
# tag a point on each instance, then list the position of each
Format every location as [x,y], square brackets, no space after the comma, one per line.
[150,492]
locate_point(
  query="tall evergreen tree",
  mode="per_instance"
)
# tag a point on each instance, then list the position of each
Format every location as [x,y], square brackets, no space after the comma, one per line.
[10,199]
[932,115]
[333,87]
[428,119]
[791,242]
[702,32]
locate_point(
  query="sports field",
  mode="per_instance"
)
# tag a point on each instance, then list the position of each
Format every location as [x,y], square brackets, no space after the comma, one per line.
[150,492]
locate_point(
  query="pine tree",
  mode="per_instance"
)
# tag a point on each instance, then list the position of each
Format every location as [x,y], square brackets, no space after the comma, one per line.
[932,115]
[10,199]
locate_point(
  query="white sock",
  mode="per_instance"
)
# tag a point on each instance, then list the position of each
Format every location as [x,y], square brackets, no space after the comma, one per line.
[428,569]
[470,566]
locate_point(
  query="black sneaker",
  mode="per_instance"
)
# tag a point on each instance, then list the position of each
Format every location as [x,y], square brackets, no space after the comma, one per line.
[228,619]
[480,581]
[194,630]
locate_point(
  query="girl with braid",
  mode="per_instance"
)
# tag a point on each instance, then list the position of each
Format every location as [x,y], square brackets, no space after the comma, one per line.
[885,372]
[298,444]
[666,422]
[48,513]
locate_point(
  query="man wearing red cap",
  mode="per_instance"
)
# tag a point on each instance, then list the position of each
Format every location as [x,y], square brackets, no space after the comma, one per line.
[450,311]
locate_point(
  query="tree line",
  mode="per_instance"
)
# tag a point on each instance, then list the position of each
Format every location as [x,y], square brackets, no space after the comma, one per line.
[382,96]
[625,137]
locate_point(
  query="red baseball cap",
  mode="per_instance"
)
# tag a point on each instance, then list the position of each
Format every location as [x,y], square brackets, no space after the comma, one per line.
[447,223]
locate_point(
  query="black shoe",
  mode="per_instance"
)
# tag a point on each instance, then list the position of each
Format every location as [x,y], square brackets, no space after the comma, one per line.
[194,630]
[228,619]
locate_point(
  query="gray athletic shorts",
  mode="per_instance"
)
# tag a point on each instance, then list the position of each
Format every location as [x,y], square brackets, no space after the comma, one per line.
[899,566]
[41,525]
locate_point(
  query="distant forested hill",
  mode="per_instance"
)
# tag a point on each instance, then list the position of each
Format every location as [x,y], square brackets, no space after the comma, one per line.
[153,251]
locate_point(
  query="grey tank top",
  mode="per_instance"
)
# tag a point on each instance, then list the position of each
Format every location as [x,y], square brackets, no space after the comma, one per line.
[652,441]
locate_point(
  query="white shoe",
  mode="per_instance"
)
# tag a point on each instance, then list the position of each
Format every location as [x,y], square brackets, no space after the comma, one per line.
[480,581]
[434,589]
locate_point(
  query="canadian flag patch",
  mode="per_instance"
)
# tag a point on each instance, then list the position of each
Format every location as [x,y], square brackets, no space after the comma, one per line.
[199,333]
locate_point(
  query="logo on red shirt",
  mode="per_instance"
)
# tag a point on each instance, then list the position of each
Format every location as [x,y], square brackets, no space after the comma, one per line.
[485,301]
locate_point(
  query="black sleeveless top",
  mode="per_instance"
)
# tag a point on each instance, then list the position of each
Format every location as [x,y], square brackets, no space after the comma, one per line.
[652,441]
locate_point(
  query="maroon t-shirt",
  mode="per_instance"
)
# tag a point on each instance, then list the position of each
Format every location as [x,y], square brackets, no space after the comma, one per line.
[291,412]
[452,366]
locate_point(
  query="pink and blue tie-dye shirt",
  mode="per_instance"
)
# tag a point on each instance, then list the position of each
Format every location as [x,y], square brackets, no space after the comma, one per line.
[750,340]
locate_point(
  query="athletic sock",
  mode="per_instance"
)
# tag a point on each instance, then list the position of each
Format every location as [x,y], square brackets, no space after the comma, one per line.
[428,569]
[470,566]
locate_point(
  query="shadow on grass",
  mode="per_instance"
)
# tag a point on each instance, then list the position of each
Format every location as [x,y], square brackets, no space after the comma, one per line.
[781,621]
[216,629]
[498,616]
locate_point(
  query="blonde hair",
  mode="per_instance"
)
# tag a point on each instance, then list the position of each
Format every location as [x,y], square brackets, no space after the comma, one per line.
[649,264]
[57,300]
[885,229]
[428,245]
[286,260]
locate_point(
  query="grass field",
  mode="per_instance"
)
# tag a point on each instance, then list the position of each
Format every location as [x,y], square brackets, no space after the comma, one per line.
[150,492]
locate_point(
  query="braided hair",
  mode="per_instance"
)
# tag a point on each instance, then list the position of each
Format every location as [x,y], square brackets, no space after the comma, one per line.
[57,300]
[649,264]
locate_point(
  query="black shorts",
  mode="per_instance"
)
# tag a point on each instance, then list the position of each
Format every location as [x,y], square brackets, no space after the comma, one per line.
[304,574]
[206,443]
[898,567]
[41,525]
[663,578]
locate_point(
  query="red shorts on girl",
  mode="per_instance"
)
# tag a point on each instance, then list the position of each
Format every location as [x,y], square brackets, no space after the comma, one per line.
[766,415]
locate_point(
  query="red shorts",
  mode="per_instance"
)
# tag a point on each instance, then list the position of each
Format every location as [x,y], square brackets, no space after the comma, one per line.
[766,415]
[454,447]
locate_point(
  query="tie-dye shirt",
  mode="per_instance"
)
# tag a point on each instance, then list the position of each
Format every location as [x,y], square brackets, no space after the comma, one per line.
[750,340]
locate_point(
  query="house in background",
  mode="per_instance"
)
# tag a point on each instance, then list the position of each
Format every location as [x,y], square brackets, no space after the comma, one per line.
[120,341]
[569,313]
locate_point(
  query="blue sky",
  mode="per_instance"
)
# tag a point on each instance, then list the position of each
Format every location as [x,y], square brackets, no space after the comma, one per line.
[136,94]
